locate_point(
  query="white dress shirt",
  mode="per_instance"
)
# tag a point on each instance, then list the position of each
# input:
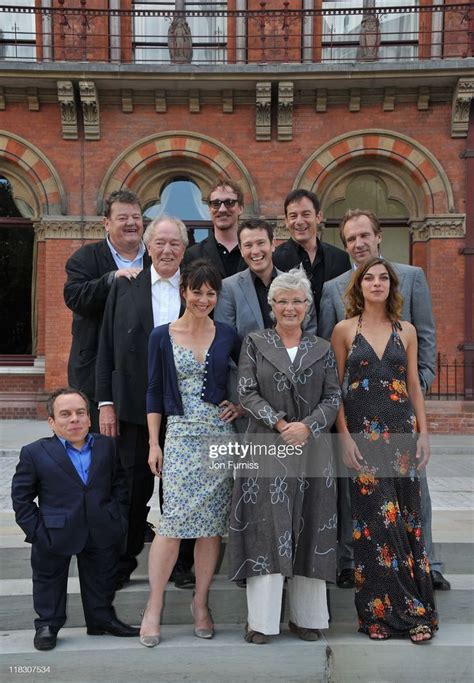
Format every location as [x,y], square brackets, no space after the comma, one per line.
[165,298]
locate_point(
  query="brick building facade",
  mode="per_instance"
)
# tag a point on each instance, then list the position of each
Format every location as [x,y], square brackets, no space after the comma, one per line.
[279,107]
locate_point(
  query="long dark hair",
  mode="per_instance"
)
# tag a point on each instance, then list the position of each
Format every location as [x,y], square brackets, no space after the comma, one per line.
[355,299]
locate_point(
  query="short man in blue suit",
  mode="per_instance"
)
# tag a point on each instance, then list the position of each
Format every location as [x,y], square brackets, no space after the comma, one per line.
[81,510]
[361,236]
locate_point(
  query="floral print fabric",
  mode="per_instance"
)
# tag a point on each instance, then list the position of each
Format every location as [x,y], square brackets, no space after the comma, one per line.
[196,501]
[393,585]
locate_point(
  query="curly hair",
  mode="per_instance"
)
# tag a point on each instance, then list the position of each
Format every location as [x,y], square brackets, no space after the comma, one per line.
[354,297]
[123,196]
[223,181]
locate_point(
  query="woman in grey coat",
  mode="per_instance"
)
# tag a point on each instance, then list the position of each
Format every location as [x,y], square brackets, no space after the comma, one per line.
[283,519]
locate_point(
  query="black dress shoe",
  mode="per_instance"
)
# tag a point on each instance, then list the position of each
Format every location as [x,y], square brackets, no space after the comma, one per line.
[439,582]
[346,579]
[114,627]
[45,638]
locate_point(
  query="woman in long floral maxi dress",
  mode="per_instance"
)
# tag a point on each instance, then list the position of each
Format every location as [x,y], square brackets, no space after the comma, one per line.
[383,436]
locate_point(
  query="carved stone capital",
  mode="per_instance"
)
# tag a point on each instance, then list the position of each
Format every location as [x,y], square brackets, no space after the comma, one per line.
[280,230]
[160,101]
[463,95]
[33,99]
[321,100]
[90,110]
[263,121]
[445,226]
[67,105]
[127,101]
[69,228]
[194,102]
[354,101]
[285,111]
[227,101]
[423,98]
[389,99]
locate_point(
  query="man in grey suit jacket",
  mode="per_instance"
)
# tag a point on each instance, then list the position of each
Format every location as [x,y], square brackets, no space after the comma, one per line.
[361,236]
[243,303]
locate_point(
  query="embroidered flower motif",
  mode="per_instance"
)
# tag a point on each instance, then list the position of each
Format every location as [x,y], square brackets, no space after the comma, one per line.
[399,390]
[379,607]
[410,565]
[282,381]
[360,530]
[303,376]
[284,547]
[260,565]
[424,563]
[244,384]
[329,360]
[359,576]
[267,415]
[412,525]
[250,489]
[277,490]
[303,484]
[306,344]
[415,607]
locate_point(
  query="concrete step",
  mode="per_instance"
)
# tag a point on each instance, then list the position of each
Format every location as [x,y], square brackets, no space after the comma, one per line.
[228,602]
[341,656]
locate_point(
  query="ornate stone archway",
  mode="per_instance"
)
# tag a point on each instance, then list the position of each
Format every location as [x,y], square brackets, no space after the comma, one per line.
[36,176]
[148,164]
[426,182]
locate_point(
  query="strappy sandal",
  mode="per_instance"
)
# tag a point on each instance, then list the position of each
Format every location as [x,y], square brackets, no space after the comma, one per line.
[422,629]
[254,637]
[378,632]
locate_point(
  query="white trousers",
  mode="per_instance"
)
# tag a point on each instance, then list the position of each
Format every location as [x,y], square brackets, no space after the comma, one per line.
[307,600]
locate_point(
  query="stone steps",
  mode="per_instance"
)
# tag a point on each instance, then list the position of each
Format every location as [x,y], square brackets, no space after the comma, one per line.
[341,656]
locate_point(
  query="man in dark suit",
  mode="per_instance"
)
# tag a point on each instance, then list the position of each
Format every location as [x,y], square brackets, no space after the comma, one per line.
[81,510]
[361,236]
[134,307]
[226,203]
[320,260]
[91,271]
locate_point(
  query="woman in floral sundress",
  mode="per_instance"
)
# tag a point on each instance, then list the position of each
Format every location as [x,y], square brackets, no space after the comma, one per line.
[383,437]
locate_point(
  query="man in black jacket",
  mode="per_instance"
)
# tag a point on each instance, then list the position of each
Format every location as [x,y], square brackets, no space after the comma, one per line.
[226,203]
[320,260]
[91,270]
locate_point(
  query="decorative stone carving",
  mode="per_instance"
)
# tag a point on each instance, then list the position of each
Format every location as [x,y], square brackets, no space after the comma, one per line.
[389,99]
[354,101]
[69,227]
[194,102]
[321,100]
[285,111]
[2,99]
[90,110]
[280,230]
[423,98]
[263,122]
[227,101]
[369,38]
[67,105]
[180,41]
[160,101]
[461,104]
[33,99]
[127,101]
[444,226]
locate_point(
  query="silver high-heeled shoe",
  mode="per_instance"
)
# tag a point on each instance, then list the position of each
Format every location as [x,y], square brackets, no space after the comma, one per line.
[149,641]
[206,633]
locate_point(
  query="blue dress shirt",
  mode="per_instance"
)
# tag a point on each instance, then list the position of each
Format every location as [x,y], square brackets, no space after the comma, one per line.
[81,459]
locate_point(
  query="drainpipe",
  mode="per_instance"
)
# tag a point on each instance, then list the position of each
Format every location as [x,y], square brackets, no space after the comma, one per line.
[468,252]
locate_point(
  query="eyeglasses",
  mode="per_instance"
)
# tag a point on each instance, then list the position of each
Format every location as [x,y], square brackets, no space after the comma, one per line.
[215,204]
[295,302]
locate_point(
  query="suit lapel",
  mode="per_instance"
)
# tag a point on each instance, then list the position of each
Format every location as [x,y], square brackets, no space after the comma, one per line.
[96,453]
[141,294]
[250,295]
[57,452]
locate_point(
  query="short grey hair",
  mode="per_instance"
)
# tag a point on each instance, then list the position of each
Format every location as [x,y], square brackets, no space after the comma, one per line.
[150,231]
[294,279]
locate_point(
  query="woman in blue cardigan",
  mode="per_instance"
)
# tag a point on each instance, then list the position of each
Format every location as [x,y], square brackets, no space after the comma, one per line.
[188,370]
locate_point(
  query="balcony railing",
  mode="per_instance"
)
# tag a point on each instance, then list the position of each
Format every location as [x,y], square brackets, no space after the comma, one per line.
[451,381]
[209,33]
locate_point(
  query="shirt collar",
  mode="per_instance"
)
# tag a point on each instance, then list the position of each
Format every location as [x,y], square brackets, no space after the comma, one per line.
[174,280]
[140,252]
[89,442]
[255,276]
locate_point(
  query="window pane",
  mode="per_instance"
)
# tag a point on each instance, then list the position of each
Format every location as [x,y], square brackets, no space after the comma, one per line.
[17,32]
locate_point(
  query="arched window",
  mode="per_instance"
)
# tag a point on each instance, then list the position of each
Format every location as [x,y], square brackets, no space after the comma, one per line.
[181,197]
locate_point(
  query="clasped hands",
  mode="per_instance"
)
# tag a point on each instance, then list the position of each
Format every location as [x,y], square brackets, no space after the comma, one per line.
[293,433]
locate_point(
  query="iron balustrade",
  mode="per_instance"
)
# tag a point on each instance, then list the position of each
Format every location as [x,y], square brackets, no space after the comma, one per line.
[221,36]
[451,380]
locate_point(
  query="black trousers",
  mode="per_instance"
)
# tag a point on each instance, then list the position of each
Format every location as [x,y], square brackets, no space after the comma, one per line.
[97,572]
